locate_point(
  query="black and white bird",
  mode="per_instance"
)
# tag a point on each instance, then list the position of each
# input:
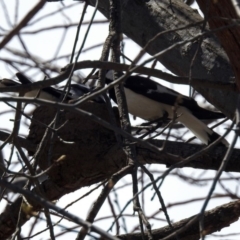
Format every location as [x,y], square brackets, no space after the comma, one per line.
[51,93]
[150,100]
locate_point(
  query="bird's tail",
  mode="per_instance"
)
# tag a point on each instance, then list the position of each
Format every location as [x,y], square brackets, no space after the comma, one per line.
[199,129]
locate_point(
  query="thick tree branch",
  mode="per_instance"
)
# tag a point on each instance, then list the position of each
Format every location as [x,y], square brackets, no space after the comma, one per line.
[215,220]
[221,14]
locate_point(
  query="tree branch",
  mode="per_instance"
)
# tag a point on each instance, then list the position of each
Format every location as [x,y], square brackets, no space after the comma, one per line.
[186,229]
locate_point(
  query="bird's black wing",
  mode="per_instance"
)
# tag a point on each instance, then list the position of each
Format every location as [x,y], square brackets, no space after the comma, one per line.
[57,93]
[162,94]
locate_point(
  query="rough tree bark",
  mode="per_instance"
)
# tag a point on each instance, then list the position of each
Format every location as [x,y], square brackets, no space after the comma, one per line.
[221,14]
[219,215]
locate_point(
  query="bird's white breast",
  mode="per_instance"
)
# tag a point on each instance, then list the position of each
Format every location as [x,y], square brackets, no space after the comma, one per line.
[143,107]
